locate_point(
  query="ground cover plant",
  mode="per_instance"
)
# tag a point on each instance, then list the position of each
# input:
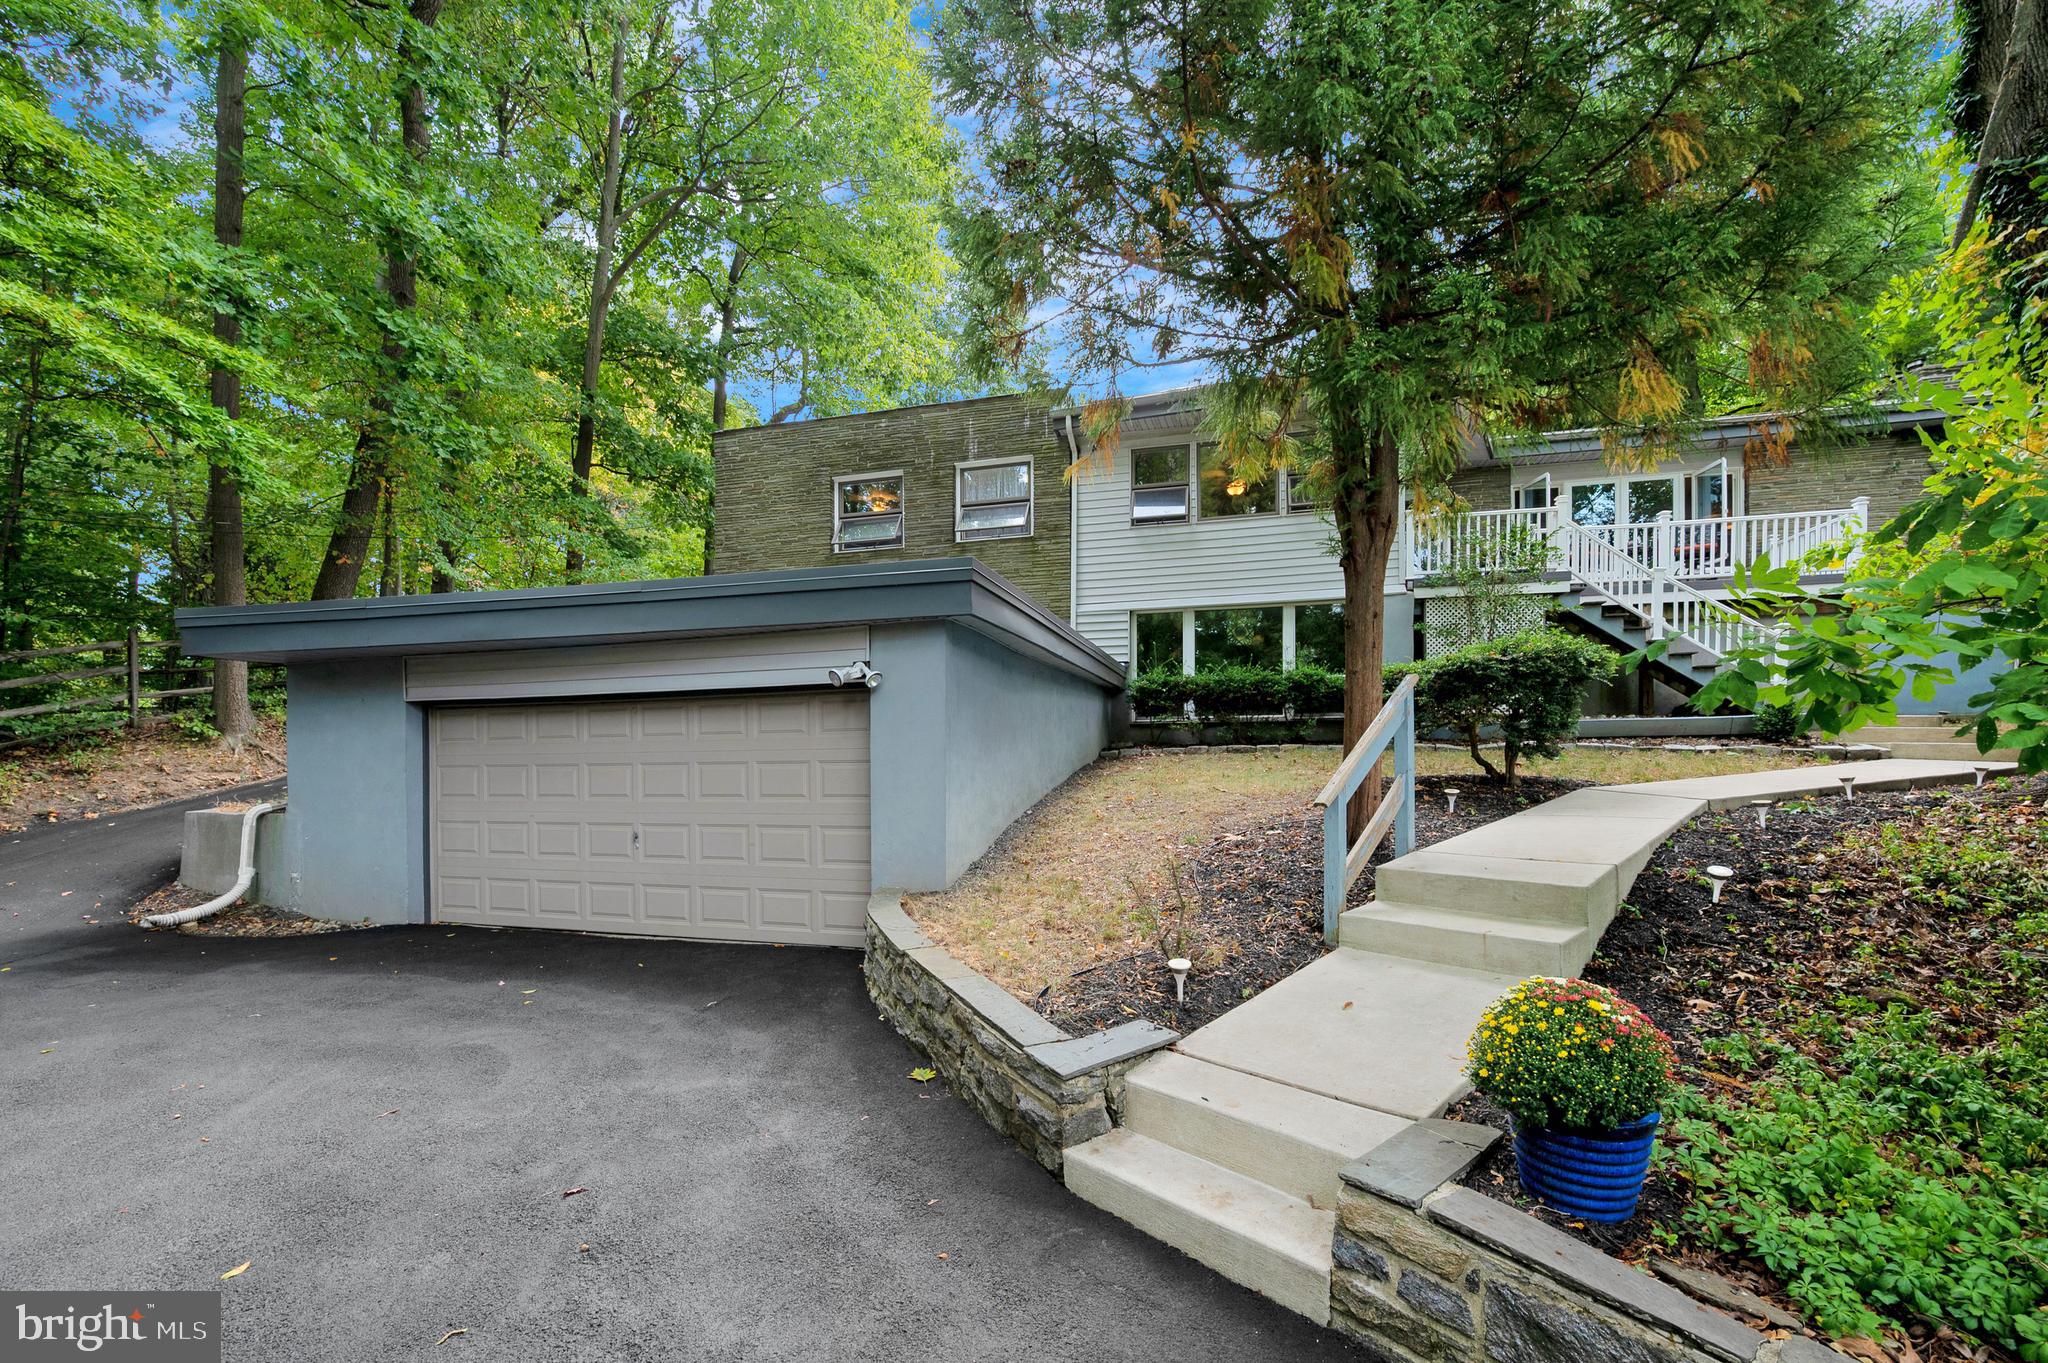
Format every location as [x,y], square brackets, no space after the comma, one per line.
[1862,1131]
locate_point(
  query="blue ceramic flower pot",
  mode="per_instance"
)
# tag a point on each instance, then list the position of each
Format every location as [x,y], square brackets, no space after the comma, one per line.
[1593,1175]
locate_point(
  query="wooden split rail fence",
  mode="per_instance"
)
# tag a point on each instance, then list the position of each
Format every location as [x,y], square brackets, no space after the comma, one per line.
[122,678]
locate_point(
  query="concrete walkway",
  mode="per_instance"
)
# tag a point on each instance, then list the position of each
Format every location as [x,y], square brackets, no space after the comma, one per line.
[1232,1141]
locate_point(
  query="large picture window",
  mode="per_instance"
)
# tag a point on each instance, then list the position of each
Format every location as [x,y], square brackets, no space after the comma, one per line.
[1319,636]
[1227,492]
[1158,642]
[1247,636]
[992,501]
[867,512]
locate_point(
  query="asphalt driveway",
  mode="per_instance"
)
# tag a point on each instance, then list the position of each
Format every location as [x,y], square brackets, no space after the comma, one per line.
[383,1123]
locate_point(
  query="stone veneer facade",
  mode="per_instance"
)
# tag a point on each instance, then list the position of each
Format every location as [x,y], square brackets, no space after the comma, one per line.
[772,498]
[1425,1271]
[1041,1087]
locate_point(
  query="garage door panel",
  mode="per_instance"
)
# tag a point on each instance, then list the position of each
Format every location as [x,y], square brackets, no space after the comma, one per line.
[735,818]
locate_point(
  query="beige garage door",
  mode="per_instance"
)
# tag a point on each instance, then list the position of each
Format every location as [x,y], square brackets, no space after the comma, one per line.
[740,818]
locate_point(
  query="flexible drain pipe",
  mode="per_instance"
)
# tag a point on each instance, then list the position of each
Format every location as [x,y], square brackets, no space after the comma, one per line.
[243,877]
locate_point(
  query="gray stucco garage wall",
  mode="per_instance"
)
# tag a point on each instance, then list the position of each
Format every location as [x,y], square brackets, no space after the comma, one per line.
[986,701]
[965,736]
[357,753]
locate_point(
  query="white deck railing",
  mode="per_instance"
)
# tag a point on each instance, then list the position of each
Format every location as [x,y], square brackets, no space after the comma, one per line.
[1701,548]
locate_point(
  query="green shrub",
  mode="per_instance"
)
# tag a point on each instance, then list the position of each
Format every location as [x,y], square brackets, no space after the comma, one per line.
[1571,1054]
[1898,1182]
[1779,724]
[1227,693]
[1531,686]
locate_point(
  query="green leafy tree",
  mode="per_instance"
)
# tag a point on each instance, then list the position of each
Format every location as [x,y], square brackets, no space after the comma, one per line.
[1529,686]
[1390,223]
[1960,576]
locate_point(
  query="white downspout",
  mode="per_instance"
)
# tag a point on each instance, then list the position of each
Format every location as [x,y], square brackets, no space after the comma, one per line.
[244,877]
[1073,525]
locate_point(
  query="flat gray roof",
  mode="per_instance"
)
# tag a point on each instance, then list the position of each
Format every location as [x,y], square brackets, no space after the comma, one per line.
[961,590]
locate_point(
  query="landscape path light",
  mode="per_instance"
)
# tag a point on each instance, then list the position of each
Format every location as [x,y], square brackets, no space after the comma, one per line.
[1180,965]
[1450,799]
[1720,876]
[1983,769]
[1848,780]
[1763,812]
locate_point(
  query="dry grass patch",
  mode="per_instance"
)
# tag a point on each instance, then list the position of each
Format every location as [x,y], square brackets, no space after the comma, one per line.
[119,769]
[1076,881]
[1069,885]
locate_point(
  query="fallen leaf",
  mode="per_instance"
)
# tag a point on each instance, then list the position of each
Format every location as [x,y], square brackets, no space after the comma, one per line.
[573,1191]
[1347,1003]
[529,991]
[945,1256]
[923,1074]
[583,1249]
[392,1113]
[463,1330]
[238,1270]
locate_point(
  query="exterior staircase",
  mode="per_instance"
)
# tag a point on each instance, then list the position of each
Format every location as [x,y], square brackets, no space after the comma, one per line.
[1685,664]
[1230,1143]
[1932,736]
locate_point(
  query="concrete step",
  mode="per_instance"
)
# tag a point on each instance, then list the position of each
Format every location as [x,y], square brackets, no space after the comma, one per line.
[1285,1137]
[1506,886]
[1951,750]
[1374,1031]
[1509,946]
[1249,1232]
[1947,723]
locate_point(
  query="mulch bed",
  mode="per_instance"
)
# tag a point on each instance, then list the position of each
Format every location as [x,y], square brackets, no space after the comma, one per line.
[1801,921]
[1255,911]
[239,920]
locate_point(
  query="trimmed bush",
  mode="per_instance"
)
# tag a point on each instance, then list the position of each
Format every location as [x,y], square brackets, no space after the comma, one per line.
[1779,724]
[1531,686]
[1227,693]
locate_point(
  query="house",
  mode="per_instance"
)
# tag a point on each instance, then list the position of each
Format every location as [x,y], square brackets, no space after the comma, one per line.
[1161,557]
[742,757]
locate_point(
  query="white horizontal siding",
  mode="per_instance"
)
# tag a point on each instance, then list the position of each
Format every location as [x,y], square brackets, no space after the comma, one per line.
[1240,561]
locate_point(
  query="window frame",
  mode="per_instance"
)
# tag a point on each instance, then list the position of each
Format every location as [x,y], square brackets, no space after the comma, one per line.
[1186,486]
[1293,479]
[1029,500]
[901,513]
[1290,621]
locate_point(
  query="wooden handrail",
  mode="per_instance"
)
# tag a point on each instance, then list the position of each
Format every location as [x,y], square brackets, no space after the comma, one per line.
[1370,745]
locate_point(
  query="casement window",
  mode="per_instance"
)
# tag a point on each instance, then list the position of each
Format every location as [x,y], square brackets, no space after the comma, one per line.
[867,512]
[1226,492]
[992,500]
[1159,485]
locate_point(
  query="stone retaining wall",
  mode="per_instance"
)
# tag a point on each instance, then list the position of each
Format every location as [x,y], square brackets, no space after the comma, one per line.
[1038,1085]
[1428,1272]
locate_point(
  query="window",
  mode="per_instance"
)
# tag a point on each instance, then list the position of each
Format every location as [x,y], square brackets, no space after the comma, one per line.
[1301,497]
[1226,492]
[1319,636]
[1158,642]
[1596,503]
[1159,485]
[992,501]
[1533,496]
[867,512]
[1248,635]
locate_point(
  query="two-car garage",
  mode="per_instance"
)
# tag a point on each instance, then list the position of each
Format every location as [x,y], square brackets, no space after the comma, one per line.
[740,818]
[664,758]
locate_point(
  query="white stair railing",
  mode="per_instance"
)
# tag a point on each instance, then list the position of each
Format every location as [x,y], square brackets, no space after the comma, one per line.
[1663,605]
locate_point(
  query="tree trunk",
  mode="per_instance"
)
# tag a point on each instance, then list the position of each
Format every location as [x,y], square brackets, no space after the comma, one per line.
[387,552]
[231,712]
[342,566]
[12,630]
[1367,510]
[2021,67]
[728,318]
[601,286]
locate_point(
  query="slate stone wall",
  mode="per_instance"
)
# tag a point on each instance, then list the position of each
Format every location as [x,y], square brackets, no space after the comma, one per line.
[1041,1087]
[772,506]
[1449,1275]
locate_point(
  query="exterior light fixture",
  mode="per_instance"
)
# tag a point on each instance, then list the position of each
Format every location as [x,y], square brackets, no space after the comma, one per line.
[1720,876]
[854,674]
[1450,799]
[1848,780]
[1180,965]
[1235,487]
[1982,769]
[1763,812]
